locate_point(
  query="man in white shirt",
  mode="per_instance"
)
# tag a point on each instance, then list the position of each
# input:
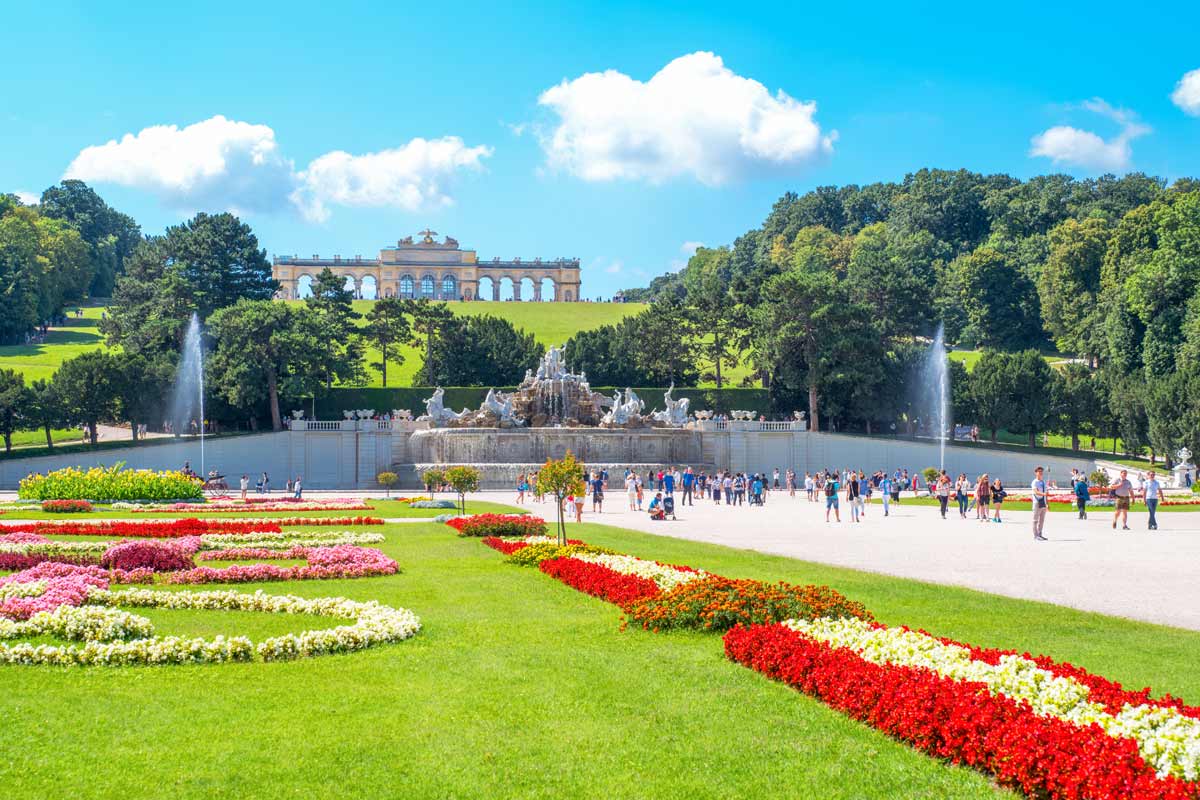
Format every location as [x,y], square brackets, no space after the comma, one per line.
[1122,492]
[1040,501]
[1151,493]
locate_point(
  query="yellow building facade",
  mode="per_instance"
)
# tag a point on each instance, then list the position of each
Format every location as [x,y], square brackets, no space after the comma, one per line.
[437,271]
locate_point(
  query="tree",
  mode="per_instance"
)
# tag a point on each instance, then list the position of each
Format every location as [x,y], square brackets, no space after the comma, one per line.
[12,399]
[429,320]
[559,479]
[387,328]
[88,385]
[894,275]
[720,321]
[138,386]
[659,340]
[479,351]
[1031,394]
[1078,402]
[44,408]
[330,306]
[999,301]
[256,348]
[432,479]
[110,236]
[991,387]
[387,480]
[462,479]
[1069,285]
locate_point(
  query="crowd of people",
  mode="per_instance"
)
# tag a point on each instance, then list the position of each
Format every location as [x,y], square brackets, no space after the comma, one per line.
[983,498]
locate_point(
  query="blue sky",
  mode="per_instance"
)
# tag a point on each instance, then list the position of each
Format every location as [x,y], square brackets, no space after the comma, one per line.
[619,133]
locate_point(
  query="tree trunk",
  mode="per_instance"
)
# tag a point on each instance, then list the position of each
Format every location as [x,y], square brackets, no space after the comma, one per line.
[8,442]
[868,427]
[273,394]
[93,433]
[1032,439]
[1075,441]
[717,361]
[383,362]
[133,429]
[993,435]
[49,438]
[813,420]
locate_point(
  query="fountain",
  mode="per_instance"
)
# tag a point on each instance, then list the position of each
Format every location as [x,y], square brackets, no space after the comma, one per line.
[935,389]
[187,398]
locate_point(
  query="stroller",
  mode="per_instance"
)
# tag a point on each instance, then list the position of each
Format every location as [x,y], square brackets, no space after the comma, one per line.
[669,506]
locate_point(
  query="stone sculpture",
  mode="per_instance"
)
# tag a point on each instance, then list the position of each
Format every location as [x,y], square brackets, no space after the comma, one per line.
[676,412]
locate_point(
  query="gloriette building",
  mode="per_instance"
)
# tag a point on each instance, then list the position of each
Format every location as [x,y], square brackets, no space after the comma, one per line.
[435,270]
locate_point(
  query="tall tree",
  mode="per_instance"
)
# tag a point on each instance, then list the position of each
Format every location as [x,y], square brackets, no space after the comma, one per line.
[388,328]
[257,344]
[479,351]
[110,236]
[1078,402]
[1031,400]
[721,322]
[88,385]
[1069,286]
[429,320]
[44,409]
[991,390]
[331,306]
[1000,302]
[12,397]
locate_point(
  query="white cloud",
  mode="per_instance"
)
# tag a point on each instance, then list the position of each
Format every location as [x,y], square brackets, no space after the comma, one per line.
[1187,93]
[412,177]
[689,248]
[1064,144]
[694,117]
[28,198]
[225,164]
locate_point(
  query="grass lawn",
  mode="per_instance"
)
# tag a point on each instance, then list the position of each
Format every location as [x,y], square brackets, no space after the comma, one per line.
[519,686]
[40,360]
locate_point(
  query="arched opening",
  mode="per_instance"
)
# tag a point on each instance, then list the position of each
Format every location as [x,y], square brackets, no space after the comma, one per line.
[567,298]
[370,288]
[407,286]
[427,286]
[526,289]
[548,289]
[449,288]
[506,288]
[487,288]
[350,285]
[388,292]
[304,287]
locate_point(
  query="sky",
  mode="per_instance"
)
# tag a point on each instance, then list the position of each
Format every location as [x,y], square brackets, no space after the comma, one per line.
[623,134]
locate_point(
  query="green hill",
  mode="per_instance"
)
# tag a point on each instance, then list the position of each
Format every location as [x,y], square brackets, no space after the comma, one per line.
[550,323]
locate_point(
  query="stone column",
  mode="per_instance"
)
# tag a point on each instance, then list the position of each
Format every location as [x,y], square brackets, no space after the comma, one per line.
[537,291]
[516,289]
[496,290]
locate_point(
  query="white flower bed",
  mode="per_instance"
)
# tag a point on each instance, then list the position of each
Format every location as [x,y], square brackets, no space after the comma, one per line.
[286,540]
[116,637]
[667,578]
[1166,739]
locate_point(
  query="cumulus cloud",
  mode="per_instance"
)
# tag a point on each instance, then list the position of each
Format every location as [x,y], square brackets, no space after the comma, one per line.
[411,177]
[1187,93]
[1064,144]
[28,198]
[227,164]
[695,117]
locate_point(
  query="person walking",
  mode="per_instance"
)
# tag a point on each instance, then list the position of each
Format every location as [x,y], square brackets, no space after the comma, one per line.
[727,486]
[810,487]
[983,498]
[597,493]
[245,485]
[637,479]
[631,491]
[791,482]
[885,492]
[852,498]
[831,498]
[1039,500]
[998,495]
[775,480]
[1122,491]
[756,488]
[942,489]
[962,489]
[266,484]
[1082,495]
[1151,494]
[298,487]
[522,487]
[689,481]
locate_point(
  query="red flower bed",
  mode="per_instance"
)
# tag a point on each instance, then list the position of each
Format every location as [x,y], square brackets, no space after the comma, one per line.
[508,548]
[66,506]
[158,556]
[20,561]
[959,721]
[157,529]
[499,525]
[599,581]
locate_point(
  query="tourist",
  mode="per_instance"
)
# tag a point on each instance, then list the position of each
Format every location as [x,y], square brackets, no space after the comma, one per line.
[756,490]
[287,485]
[298,487]
[1122,491]
[983,497]
[668,480]
[791,482]
[522,487]
[638,482]
[864,494]
[727,486]
[942,489]
[831,497]
[739,488]
[266,484]
[962,489]
[597,493]
[1151,492]
[689,482]
[1082,495]
[885,491]
[775,480]
[1039,498]
[656,508]
[245,486]
[998,495]
[810,487]
[631,490]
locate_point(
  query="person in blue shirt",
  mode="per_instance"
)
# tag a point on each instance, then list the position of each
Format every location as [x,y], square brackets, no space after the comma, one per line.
[831,497]
[885,492]
[668,480]
[655,508]
[1151,494]
[757,489]
[864,492]
[597,493]
[1082,495]
[689,480]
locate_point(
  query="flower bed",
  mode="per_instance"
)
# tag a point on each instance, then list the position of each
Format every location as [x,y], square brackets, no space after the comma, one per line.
[45,587]
[286,539]
[510,546]
[433,504]
[114,637]
[499,525]
[236,506]
[715,603]
[66,506]
[148,554]
[157,529]
[599,580]
[1032,728]
[533,554]
[106,484]
[324,563]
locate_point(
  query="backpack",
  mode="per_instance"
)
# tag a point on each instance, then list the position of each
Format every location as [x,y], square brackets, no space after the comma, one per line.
[829,490]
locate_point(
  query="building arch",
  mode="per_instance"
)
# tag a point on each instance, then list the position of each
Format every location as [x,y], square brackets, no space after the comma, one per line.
[408,286]
[428,286]
[567,297]
[526,288]
[489,290]
[546,289]
[304,286]
[508,288]
[448,288]
[368,288]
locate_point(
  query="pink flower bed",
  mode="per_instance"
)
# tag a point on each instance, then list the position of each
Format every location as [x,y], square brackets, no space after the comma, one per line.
[342,561]
[159,556]
[251,554]
[66,584]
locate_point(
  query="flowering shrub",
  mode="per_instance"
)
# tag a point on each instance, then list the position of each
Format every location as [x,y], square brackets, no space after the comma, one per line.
[85,623]
[66,506]
[499,525]
[157,556]
[599,580]
[341,561]
[105,484]
[20,551]
[55,585]
[373,624]
[534,554]
[963,720]
[715,603]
